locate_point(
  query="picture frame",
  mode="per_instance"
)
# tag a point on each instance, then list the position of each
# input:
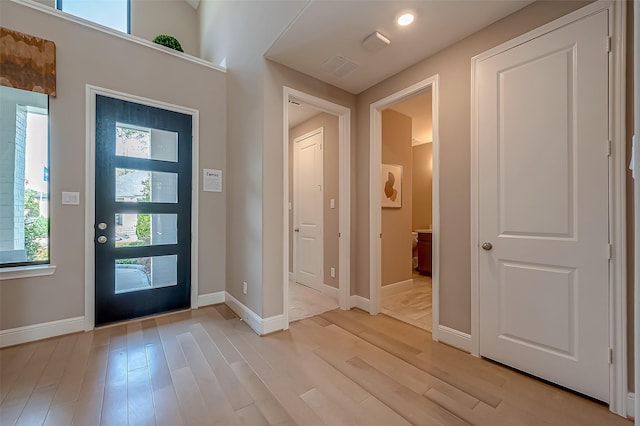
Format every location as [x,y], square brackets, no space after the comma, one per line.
[391,186]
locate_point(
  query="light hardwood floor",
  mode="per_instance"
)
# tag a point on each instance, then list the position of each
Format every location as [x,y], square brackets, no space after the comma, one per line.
[305,302]
[411,304]
[207,367]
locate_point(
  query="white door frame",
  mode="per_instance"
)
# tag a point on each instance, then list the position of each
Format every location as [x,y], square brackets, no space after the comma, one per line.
[375,214]
[296,167]
[617,175]
[344,194]
[90,198]
[634,403]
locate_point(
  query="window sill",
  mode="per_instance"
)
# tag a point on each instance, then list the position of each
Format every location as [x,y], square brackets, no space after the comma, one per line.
[51,10]
[26,272]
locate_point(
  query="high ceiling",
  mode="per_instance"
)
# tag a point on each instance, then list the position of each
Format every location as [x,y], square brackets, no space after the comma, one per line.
[328,34]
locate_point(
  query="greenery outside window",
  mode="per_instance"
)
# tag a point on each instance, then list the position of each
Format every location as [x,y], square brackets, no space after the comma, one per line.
[24,178]
[115,14]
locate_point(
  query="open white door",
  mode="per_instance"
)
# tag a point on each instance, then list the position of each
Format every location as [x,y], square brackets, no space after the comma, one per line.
[308,209]
[543,206]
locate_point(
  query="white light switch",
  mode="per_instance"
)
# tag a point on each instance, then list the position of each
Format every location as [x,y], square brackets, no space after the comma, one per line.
[71,198]
[333,203]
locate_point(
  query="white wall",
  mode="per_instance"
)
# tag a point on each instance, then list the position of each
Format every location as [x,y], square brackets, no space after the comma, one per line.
[86,56]
[239,36]
[243,52]
[172,17]
[150,18]
[453,65]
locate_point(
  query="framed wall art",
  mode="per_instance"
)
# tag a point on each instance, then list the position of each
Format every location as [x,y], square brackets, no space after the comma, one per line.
[391,180]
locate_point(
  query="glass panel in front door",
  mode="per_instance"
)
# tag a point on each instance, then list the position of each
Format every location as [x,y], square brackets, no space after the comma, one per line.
[142,229]
[140,142]
[144,273]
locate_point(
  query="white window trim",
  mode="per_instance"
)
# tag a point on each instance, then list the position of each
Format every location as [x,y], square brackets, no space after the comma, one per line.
[17,272]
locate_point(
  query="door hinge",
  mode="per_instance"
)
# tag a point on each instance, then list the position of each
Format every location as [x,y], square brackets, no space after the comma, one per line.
[609,251]
[608,44]
[609,149]
[610,355]
[381,235]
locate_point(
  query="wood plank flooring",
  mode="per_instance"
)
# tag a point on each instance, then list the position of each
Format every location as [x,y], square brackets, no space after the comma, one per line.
[411,304]
[206,367]
[305,302]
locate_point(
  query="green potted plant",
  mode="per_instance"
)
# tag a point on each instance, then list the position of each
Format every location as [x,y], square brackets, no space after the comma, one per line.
[168,41]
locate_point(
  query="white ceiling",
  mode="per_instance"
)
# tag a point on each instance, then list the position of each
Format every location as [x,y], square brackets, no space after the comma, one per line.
[329,28]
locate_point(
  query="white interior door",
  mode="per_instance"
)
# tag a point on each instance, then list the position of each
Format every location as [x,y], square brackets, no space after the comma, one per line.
[308,209]
[543,206]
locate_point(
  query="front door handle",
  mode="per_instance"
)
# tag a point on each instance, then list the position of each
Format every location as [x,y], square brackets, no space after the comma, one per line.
[102,239]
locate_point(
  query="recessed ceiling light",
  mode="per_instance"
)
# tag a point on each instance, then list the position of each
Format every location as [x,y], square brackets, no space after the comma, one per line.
[405,19]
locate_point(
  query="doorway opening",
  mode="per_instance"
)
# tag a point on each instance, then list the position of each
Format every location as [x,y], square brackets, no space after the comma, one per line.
[317,184]
[404,251]
[407,142]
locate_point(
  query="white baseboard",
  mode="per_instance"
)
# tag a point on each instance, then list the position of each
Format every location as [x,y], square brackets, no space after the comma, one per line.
[331,291]
[631,401]
[454,338]
[253,320]
[360,302]
[29,333]
[272,324]
[211,298]
[390,289]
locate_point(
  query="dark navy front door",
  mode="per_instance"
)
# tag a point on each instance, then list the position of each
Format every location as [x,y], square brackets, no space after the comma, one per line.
[143,210]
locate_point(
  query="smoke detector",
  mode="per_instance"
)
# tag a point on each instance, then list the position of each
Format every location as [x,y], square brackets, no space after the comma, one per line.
[375,42]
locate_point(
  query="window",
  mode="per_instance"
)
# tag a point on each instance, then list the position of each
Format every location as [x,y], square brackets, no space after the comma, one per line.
[24,177]
[110,13]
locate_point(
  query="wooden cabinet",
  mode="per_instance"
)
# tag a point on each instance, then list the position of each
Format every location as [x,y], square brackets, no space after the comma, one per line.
[424,253]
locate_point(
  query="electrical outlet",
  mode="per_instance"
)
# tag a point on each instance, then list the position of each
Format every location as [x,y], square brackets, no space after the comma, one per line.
[244,287]
[333,272]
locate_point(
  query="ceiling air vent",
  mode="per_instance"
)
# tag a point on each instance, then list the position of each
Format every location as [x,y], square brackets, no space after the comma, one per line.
[339,66]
